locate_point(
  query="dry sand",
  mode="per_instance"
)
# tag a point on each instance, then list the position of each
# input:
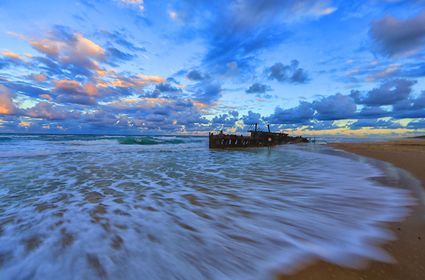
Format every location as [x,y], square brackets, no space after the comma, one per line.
[409,248]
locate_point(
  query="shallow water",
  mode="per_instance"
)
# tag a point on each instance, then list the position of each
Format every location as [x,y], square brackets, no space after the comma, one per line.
[83,207]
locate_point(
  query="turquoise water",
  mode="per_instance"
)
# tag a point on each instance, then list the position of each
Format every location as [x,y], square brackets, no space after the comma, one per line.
[119,207]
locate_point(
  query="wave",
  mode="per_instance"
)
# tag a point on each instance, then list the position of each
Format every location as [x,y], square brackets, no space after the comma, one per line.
[147,140]
[90,139]
[5,139]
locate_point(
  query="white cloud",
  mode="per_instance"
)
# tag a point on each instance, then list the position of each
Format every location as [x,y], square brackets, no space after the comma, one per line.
[139,4]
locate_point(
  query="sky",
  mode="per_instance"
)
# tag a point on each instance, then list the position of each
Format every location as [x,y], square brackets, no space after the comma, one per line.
[188,67]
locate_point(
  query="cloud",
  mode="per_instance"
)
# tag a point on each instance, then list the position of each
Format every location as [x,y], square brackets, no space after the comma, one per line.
[11,55]
[300,114]
[73,48]
[251,118]
[123,40]
[114,54]
[226,32]
[167,87]
[152,78]
[76,99]
[237,31]
[159,113]
[74,65]
[7,107]
[398,37]
[66,50]
[375,123]
[225,120]
[10,59]
[419,102]
[415,124]
[287,73]
[74,87]
[416,69]
[137,4]
[412,107]
[24,88]
[372,112]
[132,82]
[207,92]
[258,88]
[71,91]
[38,77]
[195,75]
[335,107]
[357,105]
[389,93]
[48,111]
[72,73]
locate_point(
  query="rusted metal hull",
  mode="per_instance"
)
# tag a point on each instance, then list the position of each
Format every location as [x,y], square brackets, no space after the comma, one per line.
[256,139]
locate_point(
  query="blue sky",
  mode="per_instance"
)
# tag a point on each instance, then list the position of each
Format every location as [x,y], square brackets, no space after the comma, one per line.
[192,66]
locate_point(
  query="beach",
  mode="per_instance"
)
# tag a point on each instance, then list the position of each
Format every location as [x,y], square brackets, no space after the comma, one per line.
[407,250]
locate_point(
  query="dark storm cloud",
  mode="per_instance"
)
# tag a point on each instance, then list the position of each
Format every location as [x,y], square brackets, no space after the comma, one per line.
[389,93]
[196,75]
[207,92]
[335,107]
[258,88]
[300,114]
[399,36]
[357,105]
[412,107]
[76,99]
[372,112]
[291,73]
[252,118]
[167,87]
[226,120]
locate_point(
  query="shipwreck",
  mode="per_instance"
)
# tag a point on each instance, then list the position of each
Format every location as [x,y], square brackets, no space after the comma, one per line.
[257,138]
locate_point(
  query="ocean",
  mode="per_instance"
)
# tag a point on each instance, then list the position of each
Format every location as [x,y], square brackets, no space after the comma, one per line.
[167,207]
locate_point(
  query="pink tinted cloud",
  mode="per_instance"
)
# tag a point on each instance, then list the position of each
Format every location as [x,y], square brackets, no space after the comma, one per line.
[7,107]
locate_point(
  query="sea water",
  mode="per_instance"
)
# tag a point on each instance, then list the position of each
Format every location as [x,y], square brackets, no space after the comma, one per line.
[120,207]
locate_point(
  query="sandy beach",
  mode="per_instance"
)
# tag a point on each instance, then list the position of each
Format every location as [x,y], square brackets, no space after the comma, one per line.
[408,249]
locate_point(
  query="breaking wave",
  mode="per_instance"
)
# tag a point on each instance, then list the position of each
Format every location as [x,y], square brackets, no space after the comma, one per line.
[146,140]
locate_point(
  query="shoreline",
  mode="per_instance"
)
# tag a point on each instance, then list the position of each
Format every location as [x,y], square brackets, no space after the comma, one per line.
[408,155]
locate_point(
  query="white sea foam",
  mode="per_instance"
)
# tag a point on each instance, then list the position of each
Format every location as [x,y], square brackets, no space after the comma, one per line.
[160,212]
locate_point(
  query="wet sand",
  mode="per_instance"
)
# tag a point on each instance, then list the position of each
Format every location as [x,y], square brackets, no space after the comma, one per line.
[409,248]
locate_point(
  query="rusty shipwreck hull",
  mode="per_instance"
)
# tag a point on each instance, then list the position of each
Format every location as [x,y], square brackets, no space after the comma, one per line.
[256,139]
